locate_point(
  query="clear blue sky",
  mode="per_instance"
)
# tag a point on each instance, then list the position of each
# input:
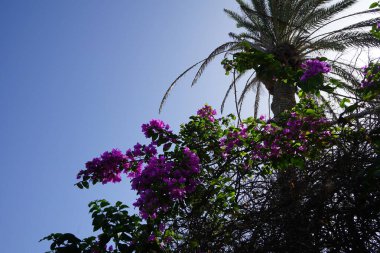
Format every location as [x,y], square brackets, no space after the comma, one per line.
[79,77]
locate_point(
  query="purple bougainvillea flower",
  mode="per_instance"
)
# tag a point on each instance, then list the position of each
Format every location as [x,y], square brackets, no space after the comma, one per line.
[207,112]
[151,238]
[155,125]
[370,74]
[314,67]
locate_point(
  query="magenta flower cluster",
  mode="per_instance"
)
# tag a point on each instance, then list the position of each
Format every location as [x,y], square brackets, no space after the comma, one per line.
[207,112]
[155,126]
[269,141]
[107,168]
[160,180]
[313,68]
[371,75]
[164,181]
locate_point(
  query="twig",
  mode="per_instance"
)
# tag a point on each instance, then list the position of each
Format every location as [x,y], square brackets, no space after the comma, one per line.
[355,116]
[236,100]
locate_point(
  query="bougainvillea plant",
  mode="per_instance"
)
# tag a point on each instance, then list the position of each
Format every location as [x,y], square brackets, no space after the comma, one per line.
[297,181]
[171,171]
[370,85]
[174,173]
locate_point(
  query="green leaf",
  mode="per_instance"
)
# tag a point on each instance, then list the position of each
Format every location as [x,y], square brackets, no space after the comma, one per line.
[351,108]
[93,208]
[310,112]
[194,244]
[70,238]
[374,5]
[85,184]
[104,203]
[154,136]
[298,162]
[336,83]
[97,222]
[343,102]
[327,88]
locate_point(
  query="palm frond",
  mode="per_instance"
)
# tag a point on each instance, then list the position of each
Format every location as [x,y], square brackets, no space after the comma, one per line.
[329,108]
[175,82]
[305,9]
[257,99]
[346,74]
[359,25]
[248,86]
[219,50]
[309,47]
[261,7]
[238,77]
[322,15]
[341,41]
[259,15]
[245,36]
[242,21]
[371,11]
[354,39]
[349,82]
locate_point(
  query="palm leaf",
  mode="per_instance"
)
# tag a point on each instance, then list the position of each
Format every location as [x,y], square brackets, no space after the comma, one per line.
[219,50]
[239,76]
[337,19]
[175,82]
[257,99]
[354,39]
[359,25]
[321,16]
[329,108]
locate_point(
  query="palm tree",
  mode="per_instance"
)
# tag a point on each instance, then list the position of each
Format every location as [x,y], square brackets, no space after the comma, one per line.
[291,31]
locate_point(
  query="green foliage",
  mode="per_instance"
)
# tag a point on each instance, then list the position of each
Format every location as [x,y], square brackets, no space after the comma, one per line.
[269,68]
[238,171]
[374,5]
[265,64]
[125,232]
[370,87]
[295,183]
[375,31]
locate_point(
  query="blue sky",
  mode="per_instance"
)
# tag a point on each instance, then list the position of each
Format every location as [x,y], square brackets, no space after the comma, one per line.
[79,77]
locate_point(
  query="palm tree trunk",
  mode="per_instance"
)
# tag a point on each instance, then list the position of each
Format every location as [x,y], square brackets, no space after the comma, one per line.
[283,98]
[292,225]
